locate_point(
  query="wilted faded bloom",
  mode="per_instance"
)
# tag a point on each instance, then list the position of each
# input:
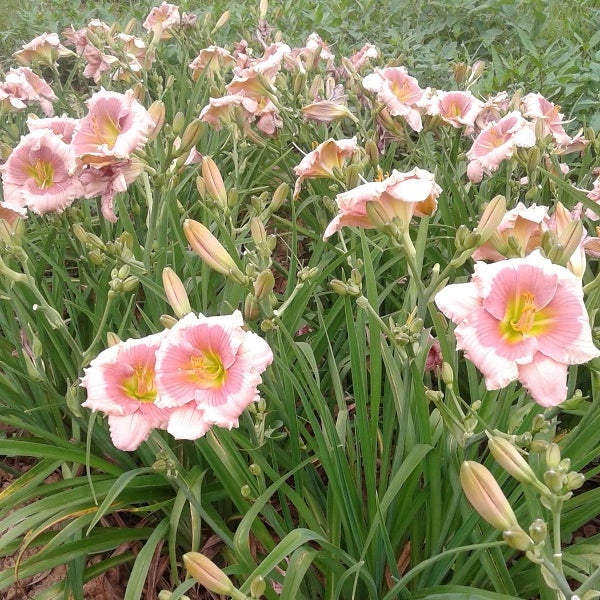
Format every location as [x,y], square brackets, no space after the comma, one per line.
[121,382]
[524,319]
[116,125]
[45,49]
[208,370]
[498,142]
[39,175]
[326,111]
[525,224]
[322,161]
[401,195]
[399,92]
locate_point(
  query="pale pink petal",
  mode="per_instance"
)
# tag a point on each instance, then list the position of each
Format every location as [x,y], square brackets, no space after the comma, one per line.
[187,422]
[545,379]
[128,432]
[458,300]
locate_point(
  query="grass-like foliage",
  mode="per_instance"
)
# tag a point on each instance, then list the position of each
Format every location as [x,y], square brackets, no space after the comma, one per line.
[387,373]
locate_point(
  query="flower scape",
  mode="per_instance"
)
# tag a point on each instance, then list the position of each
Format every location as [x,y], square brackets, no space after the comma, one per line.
[283,319]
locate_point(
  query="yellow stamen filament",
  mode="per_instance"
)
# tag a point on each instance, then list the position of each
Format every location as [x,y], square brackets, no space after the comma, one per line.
[42,172]
[208,369]
[140,386]
[525,322]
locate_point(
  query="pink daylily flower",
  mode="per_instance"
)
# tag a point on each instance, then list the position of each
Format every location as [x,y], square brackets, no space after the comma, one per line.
[116,125]
[45,49]
[399,92]
[221,110]
[361,58]
[161,19]
[493,109]
[39,175]
[208,370]
[538,107]
[458,109]
[401,195]
[24,84]
[523,319]
[62,126]
[498,142]
[121,382]
[324,159]
[212,58]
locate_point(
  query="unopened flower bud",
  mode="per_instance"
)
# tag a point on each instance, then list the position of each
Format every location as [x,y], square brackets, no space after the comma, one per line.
[250,308]
[352,176]
[490,219]
[178,123]
[213,181]
[205,572]
[257,229]
[537,531]
[484,493]
[554,480]
[538,446]
[552,456]
[372,152]
[258,587]
[176,295]
[477,69]
[206,245]
[517,539]
[460,72]
[447,373]
[377,215]
[279,197]
[339,287]
[222,20]
[263,7]
[574,481]
[473,240]
[509,458]
[263,285]
[564,465]
[157,113]
[232,198]
[167,321]
[191,136]
[112,339]
[245,491]
[255,469]
[166,595]
[533,160]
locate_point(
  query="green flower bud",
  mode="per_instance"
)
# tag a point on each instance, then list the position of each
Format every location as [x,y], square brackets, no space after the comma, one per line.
[538,531]
[552,456]
[517,539]
[553,480]
[574,480]
[205,572]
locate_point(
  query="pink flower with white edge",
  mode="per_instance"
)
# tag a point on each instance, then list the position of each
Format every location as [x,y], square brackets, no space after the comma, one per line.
[39,175]
[458,109]
[45,49]
[28,87]
[526,224]
[121,382]
[212,58]
[594,196]
[161,19]
[116,125]
[107,181]
[524,319]
[493,109]
[62,126]
[222,110]
[322,161]
[361,58]
[538,107]
[401,195]
[268,117]
[399,92]
[498,142]
[207,373]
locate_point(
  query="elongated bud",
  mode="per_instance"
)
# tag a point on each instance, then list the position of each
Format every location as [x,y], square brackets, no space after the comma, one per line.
[213,181]
[201,186]
[178,123]
[112,339]
[157,113]
[263,7]
[517,539]
[191,136]
[552,456]
[477,69]
[508,457]
[299,83]
[176,294]
[460,72]
[263,285]
[492,217]
[570,238]
[206,573]
[372,152]
[167,321]
[573,480]
[279,197]
[447,373]
[250,308]
[377,215]
[222,20]
[259,234]
[139,92]
[484,493]
[533,160]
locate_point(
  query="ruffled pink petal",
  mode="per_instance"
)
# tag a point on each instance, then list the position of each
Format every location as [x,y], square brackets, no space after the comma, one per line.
[187,422]
[545,379]
[127,433]
[458,300]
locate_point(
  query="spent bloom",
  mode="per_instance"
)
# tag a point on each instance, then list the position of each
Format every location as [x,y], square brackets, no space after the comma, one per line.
[498,142]
[401,195]
[208,370]
[399,93]
[524,319]
[322,161]
[39,175]
[116,125]
[121,382]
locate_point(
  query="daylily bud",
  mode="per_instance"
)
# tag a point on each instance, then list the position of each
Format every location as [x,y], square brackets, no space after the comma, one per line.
[299,83]
[574,480]
[206,245]
[517,539]
[326,111]
[540,127]
[205,572]
[178,123]
[279,197]
[508,457]
[538,446]
[477,69]
[190,136]
[139,92]
[377,215]
[484,493]
[447,373]
[167,321]
[201,186]
[460,72]
[112,339]
[339,287]
[166,595]
[258,587]
[553,456]
[352,177]
[176,294]
[492,216]
[250,308]
[533,160]
[222,20]
[553,480]
[232,198]
[538,530]
[263,7]
[257,229]
[564,465]
[263,285]
[213,181]
[570,238]
[157,112]
[316,87]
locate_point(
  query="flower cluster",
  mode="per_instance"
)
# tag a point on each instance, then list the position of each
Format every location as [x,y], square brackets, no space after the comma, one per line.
[201,373]
[63,159]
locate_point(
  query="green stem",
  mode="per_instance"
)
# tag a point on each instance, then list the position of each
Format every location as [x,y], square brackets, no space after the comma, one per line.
[88,354]
[588,583]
